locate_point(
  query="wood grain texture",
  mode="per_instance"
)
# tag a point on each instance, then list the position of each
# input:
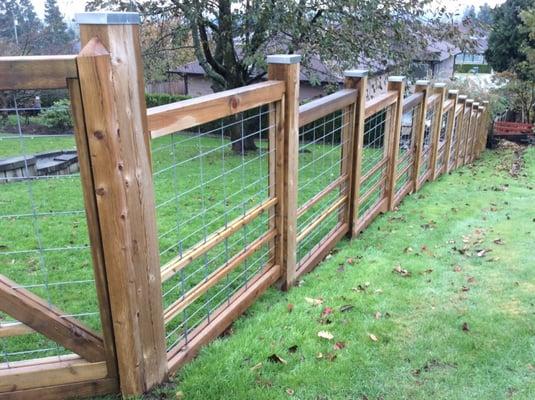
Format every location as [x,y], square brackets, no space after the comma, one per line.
[37,72]
[58,373]
[91,212]
[380,102]
[170,118]
[360,84]
[435,138]
[114,120]
[289,74]
[452,98]
[29,309]
[91,388]
[326,105]
[14,329]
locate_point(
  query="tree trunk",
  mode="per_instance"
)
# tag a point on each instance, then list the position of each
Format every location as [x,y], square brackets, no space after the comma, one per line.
[242,142]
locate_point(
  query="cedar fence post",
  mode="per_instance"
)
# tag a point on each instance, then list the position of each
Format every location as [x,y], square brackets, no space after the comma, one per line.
[112,93]
[453,95]
[440,89]
[474,129]
[460,132]
[286,68]
[468,130]
[423,87]
[395,83]
[356,79]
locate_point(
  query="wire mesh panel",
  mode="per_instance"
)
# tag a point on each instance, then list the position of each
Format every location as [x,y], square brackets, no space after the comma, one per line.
[44,242]
[454,139]
[405,160]
[215,198]
[430,121]
[323,182]
[442,141]
[464,137]
[374,164]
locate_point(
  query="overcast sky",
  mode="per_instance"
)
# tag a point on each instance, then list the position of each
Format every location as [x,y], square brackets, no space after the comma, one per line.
[70,7]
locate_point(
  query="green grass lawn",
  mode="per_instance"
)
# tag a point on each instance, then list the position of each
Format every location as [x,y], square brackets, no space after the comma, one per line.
[459,324]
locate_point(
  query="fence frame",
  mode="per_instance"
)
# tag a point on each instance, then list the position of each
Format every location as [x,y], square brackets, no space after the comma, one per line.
[113,137]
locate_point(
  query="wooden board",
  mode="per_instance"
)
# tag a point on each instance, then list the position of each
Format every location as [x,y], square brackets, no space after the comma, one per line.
[24,306]
[174,117]
[324,106]
[37,72]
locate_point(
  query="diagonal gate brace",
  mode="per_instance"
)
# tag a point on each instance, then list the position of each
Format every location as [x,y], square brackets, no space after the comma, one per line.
[31,310]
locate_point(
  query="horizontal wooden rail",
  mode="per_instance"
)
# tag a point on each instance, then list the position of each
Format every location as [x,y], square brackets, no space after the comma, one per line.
[381,102]
[180,262]
[403,171]
[408,155]
[373,170]
[320,195]
[24,306]
[14,329]
[412,101]
[324,106]
[170,118]
[431,100]
[448,104]
[309,228]
[222,318]
[178,306]
[370,191]
[37,72]
[73,370]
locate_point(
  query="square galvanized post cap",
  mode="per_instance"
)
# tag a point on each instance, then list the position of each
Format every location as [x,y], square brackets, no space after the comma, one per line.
[454,92]
[422,82]
[107,18]
[356,73]
[439,85]
[283,59]
[396,78]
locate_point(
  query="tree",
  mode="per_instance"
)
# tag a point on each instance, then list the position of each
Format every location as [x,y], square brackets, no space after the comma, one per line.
[231,39]
[19,27]
[58,38]
[469,14]
[484,16]
[507,39]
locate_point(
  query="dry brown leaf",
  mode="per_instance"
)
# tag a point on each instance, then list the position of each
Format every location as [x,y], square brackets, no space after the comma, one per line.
[339,345]
[457,268]
[290,307]
[326,311]
[257,366]
[378,315]
[326,335]
[403,272]
[290,392]
[465,328]
[275,358]
[373,337]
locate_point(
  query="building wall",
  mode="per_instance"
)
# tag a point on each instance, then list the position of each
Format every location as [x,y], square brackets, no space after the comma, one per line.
[444,69]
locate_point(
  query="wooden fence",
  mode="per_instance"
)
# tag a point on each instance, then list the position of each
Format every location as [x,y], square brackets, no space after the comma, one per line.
[185,231]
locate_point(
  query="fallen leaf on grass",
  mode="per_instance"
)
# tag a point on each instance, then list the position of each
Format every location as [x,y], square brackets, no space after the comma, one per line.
[290,392]
[274,358]
[325,335]
[457,268]
[179,395]
[378,315]
[339,345]
[466,328]
[373,337]
[408,250]
[346,308]
[257,366]
[482,253]
[326,311]
[498,241]
[471,279]
[293,349]
[290,307]
[465,289]
[403,272]
[314,302]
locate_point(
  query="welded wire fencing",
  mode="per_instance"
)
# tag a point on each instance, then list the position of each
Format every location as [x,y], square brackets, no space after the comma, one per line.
[44,242]
[323,177]
[131,243]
